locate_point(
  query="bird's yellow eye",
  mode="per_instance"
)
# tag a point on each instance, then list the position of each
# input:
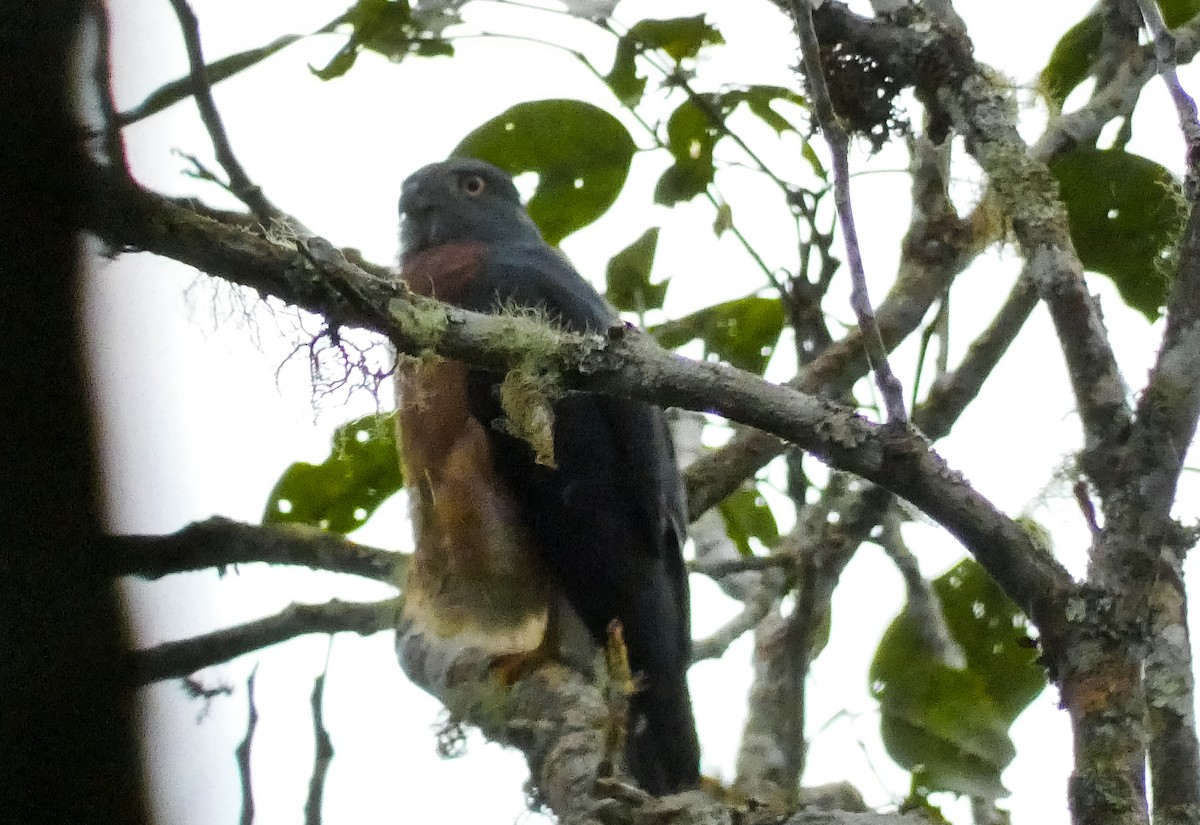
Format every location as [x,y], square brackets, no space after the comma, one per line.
[473,185]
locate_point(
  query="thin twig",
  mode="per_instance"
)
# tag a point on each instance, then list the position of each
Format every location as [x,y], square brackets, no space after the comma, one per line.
[839,147]
[952,392]
[242,753]
[724,567]
[1168,59]
[239,182]
[923,604]
[220,542]
[715,644]
[323,750]
[173,660]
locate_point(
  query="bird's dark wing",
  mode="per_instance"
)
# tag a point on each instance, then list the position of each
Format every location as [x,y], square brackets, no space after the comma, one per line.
[609,518]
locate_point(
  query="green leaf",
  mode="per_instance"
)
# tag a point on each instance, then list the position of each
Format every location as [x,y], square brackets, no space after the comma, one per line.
[628,277]
[580,153]
[681,38]
[743,332]
[935,720]
[758,100]
[389,28]
[1071,60]
[339,64]
[949,726]
[747,516]
[623,78]
[1126,215]
[991,631]
[939,723]
[1073,55]
[690,139]
[223,69]
[810,155]
[1178,12]
[342,492]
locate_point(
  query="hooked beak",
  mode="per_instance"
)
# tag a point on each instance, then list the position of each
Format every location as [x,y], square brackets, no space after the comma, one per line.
[418,227]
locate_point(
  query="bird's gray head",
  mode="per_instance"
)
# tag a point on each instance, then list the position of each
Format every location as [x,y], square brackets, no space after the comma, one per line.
[461,199]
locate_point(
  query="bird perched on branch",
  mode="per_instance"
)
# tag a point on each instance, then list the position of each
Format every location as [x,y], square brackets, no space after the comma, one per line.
[505,533]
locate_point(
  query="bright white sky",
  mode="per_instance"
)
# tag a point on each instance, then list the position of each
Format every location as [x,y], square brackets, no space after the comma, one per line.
[195,419]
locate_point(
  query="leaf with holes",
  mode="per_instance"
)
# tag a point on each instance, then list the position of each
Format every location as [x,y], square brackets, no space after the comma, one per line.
[949,725]
[628,277]
[747,516]
[342,492]
[993,635]
[743,332]
[681,38]
[691,137]
[389,28]
[935,720]
[1126,215]
[580,153]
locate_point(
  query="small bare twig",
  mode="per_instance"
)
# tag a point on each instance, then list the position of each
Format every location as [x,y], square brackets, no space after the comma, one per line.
[243,752]
[923,604]
[1168,61]
[239,182]
[620,687]
[220,542]
[952,392]
[714,645]
[725,567]
[839,147]
[172,660]
[323,753]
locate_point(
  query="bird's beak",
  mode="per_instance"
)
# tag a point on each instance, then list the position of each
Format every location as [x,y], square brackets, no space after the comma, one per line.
[418,227]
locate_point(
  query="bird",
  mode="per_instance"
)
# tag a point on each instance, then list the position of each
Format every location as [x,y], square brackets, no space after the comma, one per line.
[504,537]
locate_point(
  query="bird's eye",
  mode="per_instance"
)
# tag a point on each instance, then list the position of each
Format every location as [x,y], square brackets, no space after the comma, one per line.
[473,185]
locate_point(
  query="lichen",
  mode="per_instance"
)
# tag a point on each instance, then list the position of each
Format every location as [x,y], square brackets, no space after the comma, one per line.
[423,323]
[526,396]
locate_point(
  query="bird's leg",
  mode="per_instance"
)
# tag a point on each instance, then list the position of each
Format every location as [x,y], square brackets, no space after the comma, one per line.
[620,686]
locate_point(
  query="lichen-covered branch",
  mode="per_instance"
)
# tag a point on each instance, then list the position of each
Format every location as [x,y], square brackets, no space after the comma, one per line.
[1148,561]
[625,362]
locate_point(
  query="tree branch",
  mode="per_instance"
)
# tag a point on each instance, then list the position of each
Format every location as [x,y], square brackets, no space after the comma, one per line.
[1150,560]
[839,146]
[937,247]
[242,754]
[952,392]
[220,542]
[625,362]
[173,660]
[239,182]
[939,65]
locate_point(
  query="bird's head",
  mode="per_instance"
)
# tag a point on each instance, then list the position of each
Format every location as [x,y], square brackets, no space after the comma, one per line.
[461,199]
